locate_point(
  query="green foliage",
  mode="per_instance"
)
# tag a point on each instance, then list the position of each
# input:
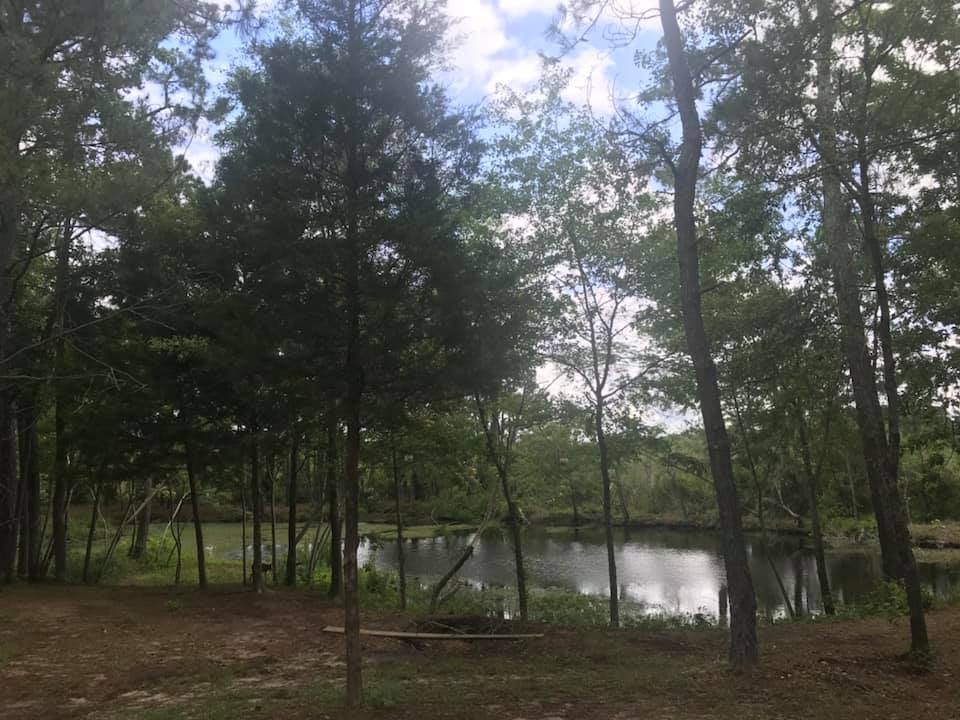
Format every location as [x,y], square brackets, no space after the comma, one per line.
[887,600]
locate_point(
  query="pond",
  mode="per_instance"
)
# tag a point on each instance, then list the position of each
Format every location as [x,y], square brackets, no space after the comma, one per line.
[659,571]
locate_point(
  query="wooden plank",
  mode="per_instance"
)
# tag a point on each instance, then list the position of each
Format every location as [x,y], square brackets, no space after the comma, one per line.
[432,636]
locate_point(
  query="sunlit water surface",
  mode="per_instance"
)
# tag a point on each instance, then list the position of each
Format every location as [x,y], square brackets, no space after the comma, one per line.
[659,571]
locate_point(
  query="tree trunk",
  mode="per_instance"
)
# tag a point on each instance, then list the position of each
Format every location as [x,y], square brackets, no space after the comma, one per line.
[898,507]
[399,517]
[763,528]
[60,489]
[798,586]
[835,228]
[291,570]
[10,211]
[10,499]
[243,530]
[813,498]
[744,648]
[333,497]
[513,517]
[273,525]
[30,470]
[623,500]
[881,454]
[256,501]
[142,533]
[354,376]
[351,588]
[195,509]
[607,514]
[502,464]
[59,510]
[23,514]
[92,531]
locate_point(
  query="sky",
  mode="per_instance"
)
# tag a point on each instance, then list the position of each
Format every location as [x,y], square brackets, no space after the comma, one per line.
[499,42]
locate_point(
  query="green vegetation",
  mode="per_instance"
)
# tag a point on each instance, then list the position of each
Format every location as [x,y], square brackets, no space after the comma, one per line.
[727,301]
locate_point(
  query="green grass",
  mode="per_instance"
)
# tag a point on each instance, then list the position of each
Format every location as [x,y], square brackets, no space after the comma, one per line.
[158,566]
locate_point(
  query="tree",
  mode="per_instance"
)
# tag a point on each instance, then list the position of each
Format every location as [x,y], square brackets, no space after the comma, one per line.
[376,165]
[743,604]
[73,123]
[585,215]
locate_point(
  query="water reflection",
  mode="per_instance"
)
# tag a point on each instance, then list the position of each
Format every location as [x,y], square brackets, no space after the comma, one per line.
[664,571]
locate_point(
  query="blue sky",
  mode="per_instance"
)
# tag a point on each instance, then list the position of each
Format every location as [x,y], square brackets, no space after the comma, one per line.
[498,42]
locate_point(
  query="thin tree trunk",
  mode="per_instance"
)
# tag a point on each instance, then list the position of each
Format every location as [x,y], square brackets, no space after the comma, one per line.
[607,515]
[59,511]
[467,552]
[401,565]
[623,500]
[744,648]
[763,528]
[30,469]
[450,574]
[273,525]
[91,532]
[854,510]
[257,502]
[178,542]
[502,464]
[142,533]
[813,498]
[10,512]
[351,588]
[243,529]
[354,376]
[61,294]
[195,509]
[129,514]
[24,492]
[513,515]
[333,498]
[23,513]
[10,213]
[798,585]
[291,578]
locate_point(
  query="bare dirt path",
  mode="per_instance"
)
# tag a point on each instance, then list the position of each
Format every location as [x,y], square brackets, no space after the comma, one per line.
[76,652]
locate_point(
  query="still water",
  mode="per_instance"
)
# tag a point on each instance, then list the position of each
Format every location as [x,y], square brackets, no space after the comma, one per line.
[659,571]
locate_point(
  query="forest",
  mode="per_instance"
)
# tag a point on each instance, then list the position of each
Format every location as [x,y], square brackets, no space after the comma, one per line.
[396,356]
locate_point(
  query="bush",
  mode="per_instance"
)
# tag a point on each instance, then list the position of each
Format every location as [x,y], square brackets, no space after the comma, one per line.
[889,600]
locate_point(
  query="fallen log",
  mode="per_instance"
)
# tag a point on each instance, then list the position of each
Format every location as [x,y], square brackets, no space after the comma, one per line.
[397,635]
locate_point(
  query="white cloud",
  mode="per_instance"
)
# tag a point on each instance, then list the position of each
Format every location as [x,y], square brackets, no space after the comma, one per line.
[591,83]
[519,8]
[479,37]
[487,55]
[519,73]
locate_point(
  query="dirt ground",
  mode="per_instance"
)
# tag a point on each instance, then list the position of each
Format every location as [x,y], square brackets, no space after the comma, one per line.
[76,652]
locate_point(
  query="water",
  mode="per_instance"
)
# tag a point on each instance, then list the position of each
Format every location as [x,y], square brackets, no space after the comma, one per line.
[659,571]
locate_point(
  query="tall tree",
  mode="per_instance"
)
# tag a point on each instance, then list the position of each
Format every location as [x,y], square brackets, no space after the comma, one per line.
[585,219]
[374,165]
[743,604]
